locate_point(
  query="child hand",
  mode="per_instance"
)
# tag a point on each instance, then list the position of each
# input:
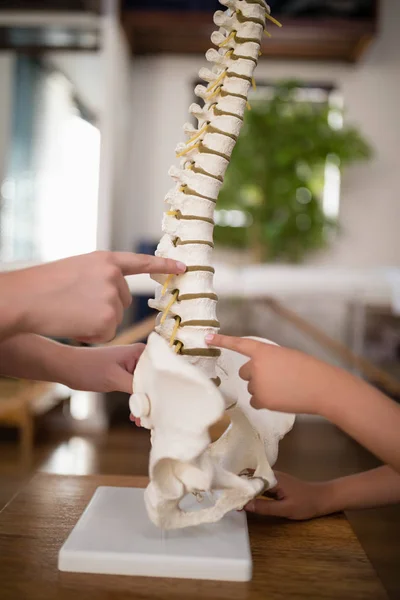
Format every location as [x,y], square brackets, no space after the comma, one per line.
[102,369]
[135,420]
[293,499]
[281,379]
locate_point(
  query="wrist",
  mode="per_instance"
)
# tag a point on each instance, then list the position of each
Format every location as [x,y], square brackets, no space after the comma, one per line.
[66,365]
[11,313]
[60,363]
[14,312]
[330,497]
[331,394]
[317,382]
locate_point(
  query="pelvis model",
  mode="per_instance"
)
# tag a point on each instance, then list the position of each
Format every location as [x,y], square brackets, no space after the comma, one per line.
[181,386]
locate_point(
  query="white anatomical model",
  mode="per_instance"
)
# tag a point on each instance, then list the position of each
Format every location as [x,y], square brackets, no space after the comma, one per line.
[182,386]
[179,403]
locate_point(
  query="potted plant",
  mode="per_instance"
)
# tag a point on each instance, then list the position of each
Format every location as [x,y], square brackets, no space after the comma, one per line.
[272,194]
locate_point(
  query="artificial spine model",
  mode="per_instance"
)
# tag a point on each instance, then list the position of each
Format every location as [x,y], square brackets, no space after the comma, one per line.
[181,386]
[187,303]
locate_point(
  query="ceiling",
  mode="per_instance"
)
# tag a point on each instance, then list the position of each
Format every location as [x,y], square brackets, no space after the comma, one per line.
[337,30]
[338,8]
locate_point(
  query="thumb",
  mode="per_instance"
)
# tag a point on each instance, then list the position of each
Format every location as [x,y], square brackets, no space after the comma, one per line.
[261,506]
[123,381]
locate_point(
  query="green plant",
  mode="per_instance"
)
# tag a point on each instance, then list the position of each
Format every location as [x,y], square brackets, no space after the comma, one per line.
[276,176]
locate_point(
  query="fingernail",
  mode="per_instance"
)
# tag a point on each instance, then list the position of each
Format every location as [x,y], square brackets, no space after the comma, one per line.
[250,507]
[209,338]
[181,267]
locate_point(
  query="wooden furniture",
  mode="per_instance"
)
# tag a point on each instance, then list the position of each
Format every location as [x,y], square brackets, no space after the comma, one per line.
[320,559]
[135,333]
[20,402]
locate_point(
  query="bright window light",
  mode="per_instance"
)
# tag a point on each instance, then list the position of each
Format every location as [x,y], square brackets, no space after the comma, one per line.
[68,192]
[49,209]
[331,197]
[232,218]
[82,405]
[75,457]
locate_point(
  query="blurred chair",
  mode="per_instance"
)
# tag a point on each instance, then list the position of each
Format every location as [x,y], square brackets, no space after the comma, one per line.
[20,402]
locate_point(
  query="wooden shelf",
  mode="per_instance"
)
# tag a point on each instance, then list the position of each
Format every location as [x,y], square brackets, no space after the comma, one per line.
[161,32]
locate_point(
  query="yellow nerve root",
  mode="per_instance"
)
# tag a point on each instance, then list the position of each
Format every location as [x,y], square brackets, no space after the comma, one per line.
[167,282]
[267,33]
[215,93]
[218,80]
[228,39]
[275,21]
[253,82]
[168,307]
[174,331]
[186,150]
[198,134]
[178,347]
[248,105]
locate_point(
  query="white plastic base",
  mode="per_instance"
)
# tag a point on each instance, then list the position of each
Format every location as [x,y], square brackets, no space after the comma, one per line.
[114,536]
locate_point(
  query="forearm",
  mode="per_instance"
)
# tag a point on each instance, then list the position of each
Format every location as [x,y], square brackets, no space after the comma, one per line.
[377,487]
[366,415]
[33,357]
[11,316]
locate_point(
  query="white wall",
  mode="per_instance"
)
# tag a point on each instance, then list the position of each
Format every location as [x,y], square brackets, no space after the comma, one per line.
[116,132]
[162,93]
[370,205]
[6,83]
[85,70]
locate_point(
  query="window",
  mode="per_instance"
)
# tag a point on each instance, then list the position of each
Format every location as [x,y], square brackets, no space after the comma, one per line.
[49,194]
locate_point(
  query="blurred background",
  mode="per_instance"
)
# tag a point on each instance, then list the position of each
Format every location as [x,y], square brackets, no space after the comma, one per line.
[93,97]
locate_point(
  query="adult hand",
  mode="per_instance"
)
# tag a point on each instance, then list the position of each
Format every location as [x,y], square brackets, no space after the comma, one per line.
[82,297]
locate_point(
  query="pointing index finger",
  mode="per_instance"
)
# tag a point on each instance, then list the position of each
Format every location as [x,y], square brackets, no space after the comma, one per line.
[132,264]
[241,345]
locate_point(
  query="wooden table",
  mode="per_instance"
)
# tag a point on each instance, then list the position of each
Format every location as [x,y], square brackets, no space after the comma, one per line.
[319,560]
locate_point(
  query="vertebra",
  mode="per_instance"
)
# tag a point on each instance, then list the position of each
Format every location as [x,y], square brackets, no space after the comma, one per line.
[188,302]
[176,401]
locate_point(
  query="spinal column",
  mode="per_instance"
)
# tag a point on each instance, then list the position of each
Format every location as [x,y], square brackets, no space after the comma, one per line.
[187,303]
